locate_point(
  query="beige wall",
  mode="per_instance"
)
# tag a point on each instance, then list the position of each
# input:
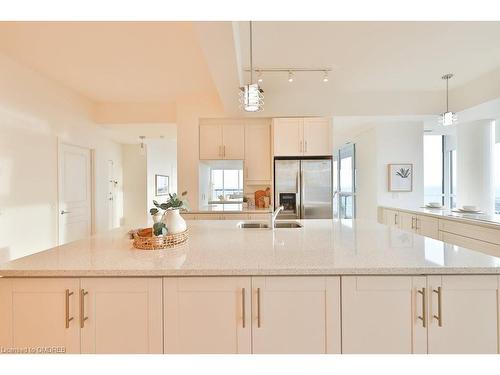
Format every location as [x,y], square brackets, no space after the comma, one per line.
[135,184]
[36,113]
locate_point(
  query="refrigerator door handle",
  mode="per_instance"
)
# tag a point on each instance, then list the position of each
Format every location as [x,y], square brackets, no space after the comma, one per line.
[302,213]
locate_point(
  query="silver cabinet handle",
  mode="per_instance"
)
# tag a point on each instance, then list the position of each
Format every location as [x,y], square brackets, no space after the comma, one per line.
[395,219]
[65,212]
[83,318]
[68,319]
[305,146]
[243,319]
[412,222]
[258,308]
[439,316]
[224,151]
[416,223]
[300,146]
[423,317]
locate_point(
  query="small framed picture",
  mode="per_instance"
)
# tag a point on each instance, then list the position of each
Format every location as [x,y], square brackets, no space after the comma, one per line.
[161,185]
[400,177]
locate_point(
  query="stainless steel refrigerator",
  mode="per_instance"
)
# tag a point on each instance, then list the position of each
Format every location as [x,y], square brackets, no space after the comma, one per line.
[303,187]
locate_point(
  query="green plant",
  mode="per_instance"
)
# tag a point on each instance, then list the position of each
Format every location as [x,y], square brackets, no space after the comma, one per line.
[159,229]
[403,172]
[174,202]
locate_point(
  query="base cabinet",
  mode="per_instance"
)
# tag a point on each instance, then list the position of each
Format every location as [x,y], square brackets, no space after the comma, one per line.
[122,315]
[296,315]
[39,314]
[463,314]
[207,315]
[380,314]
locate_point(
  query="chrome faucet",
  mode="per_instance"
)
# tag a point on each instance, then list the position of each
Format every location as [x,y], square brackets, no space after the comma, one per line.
[275,214]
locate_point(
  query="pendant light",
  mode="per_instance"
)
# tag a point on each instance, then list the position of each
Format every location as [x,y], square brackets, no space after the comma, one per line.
[251,95]
[447,118]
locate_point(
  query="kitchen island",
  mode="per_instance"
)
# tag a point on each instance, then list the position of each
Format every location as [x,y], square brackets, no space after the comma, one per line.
[233,290]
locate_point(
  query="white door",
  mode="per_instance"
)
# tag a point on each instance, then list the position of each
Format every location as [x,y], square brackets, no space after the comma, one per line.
[121,315]
[39,313]
[317,137]
[211,146]
[296,315]
[463,314]
[207,315]
[75,194]
[233,137]
[257,152]
[383,314]
[287,137]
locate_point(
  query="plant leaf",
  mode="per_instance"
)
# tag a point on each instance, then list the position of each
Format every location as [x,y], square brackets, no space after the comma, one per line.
[159,229]
[153,211]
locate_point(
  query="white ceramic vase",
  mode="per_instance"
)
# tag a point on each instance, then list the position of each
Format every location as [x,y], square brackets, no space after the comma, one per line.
[174,222]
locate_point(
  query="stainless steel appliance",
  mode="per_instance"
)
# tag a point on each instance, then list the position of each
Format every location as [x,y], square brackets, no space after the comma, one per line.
[303,187]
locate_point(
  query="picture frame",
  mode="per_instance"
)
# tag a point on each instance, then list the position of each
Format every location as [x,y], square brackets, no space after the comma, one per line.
[162,185]
[400,177]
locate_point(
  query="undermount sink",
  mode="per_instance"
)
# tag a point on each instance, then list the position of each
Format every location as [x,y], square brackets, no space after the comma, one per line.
[265,225]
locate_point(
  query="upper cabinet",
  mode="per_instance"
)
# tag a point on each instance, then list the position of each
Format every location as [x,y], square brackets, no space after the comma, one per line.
[258,153]
[302,136]
[222,141]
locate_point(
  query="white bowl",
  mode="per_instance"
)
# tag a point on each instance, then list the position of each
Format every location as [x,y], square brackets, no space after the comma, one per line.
[434,204]
[469,208]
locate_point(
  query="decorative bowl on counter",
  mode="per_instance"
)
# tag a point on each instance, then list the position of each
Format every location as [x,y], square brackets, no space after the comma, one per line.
[145,240]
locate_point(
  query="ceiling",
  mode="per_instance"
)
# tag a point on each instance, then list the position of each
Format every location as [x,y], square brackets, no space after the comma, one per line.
[112,61]
[379,68]
[130,133]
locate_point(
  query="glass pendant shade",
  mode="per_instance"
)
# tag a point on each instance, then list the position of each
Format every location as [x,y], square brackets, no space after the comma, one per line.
[252,98]
[448,118]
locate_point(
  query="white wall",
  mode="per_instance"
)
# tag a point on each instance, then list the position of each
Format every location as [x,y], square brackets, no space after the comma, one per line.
[135,186]
[34,113]
[161,159]
[377,145]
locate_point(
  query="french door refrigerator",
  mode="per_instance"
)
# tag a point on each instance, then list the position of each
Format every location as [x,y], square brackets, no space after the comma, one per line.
[303,187]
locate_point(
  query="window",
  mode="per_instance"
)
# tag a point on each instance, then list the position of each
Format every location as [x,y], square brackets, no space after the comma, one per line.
[226,184]
[440,169]
[344,182]
[433,169]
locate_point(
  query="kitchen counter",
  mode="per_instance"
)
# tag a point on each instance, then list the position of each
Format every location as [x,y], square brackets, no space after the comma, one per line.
[230,208]
[321,247]
[486,220]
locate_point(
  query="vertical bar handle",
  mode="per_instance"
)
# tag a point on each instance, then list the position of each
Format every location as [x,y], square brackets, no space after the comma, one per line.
[305,150]
[68,319]
[224,151]
[396,218]
[258,308]
[439,316]
[243,319]
[83,318]
[423,317]
[300,146]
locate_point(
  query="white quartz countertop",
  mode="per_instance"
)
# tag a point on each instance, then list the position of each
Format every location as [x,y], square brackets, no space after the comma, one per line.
[321,247]
[229,208]
[487,220]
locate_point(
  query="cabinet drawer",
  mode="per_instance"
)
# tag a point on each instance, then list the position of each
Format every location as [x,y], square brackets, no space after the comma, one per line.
[470,230]
[470,243]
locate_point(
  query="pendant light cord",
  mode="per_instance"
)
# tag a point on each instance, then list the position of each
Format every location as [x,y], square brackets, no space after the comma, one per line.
[251,54]
[447,79]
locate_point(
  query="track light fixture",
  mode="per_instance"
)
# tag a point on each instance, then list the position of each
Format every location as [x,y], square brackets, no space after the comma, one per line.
[325,76]
[290,76]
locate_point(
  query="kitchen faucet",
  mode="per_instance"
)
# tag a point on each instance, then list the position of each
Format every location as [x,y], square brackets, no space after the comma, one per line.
[275,214]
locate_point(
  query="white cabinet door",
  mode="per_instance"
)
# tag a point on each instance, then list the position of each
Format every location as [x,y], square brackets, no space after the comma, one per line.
[407,221]
[463,314]
[296,315]
[257,152]
[287,136]
[39,313]
[317,137]
[380,314]
[207,315]
[233,137]
[427,226]
[391,218]
[124,315]
[211,146]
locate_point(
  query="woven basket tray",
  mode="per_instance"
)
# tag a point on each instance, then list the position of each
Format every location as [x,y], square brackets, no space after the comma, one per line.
[144,240]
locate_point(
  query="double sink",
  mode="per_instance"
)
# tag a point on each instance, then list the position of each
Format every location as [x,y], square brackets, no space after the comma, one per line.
[265,225]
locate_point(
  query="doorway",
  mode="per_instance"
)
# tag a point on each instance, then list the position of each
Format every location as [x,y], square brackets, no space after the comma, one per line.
[74,193]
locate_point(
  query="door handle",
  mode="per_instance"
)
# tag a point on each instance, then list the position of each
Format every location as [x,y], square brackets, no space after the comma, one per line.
[65,212]
[83,318]
[258,308]
[439,316]
[243,319]
[68,319]
[423,318]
